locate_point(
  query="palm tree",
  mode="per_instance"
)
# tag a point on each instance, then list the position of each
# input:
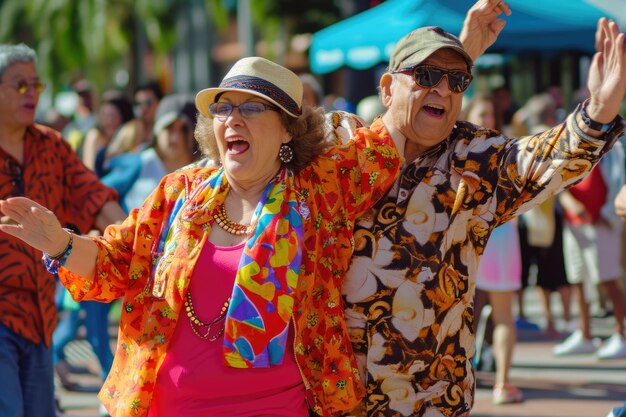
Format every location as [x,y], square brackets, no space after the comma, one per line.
[98,39]
[276,21]
[90,38]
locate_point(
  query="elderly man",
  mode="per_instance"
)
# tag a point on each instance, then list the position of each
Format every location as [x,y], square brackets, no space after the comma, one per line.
[35,162]
[410,289]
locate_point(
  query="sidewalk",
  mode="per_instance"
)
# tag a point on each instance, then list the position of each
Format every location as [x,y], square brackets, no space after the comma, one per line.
[572,386]
[575,386]
[569,386]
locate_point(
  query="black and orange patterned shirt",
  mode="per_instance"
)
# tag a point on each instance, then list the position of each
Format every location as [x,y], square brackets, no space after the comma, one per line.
[53,176]
[409,291]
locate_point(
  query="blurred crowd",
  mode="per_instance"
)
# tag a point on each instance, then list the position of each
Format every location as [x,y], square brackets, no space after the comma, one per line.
[570,247]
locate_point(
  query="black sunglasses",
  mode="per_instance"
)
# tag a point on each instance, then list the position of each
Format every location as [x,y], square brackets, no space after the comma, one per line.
[428,76]
[13,169]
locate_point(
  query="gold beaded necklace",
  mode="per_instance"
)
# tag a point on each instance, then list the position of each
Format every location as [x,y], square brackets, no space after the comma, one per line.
[222,219]
[197,324]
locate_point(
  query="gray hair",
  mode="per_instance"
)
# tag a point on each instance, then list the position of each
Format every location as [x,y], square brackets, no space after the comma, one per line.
[11,54]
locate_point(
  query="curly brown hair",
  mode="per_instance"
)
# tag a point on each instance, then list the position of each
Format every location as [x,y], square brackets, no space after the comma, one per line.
[310,136]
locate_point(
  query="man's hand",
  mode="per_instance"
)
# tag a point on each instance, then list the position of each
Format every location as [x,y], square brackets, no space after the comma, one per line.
[607,74]
[482,26]
[620,203]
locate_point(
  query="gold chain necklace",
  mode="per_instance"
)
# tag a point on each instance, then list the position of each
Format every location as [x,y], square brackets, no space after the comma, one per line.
[196,324]
[222,219]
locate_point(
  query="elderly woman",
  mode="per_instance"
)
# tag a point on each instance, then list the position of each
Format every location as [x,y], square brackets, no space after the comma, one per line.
[230,268]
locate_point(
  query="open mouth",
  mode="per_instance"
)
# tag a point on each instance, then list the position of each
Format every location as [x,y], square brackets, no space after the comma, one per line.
[435,111]
[237,146]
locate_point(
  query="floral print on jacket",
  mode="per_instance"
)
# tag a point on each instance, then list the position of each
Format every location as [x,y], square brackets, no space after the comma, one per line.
[410,289]
[337,187]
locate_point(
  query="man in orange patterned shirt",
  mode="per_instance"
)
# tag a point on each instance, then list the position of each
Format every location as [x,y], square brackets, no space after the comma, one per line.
[36,162]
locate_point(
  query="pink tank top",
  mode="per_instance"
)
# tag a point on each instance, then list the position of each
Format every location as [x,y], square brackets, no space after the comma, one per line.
[192,380]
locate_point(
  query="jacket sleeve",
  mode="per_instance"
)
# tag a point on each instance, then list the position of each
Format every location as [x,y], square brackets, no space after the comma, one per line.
[533,168]
[125,251]
[357,173]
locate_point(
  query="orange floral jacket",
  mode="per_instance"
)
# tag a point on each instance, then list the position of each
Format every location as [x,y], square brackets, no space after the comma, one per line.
[338,187]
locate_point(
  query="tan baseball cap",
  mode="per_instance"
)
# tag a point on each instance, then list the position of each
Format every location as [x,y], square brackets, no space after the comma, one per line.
[262,78]
[421,43]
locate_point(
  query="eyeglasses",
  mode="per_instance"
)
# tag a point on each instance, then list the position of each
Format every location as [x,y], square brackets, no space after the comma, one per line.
[14,170]
[428,76]
[247,110]
[22,86]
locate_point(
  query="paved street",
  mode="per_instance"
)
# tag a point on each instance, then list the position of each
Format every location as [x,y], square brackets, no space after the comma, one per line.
[575,386]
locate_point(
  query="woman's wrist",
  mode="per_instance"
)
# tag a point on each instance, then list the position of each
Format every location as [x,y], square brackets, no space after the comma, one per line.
[53,263]
[58,254]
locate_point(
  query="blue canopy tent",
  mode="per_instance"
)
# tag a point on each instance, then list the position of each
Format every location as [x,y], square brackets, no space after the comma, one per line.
[367,39]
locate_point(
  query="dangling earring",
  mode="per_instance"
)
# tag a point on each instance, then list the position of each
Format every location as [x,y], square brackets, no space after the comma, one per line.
[285,153]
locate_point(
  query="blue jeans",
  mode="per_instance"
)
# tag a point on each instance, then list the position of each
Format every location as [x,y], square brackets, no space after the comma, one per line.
[26,377]
[97,325]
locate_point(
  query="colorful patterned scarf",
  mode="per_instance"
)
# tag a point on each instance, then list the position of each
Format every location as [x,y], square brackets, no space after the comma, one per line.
[257,321]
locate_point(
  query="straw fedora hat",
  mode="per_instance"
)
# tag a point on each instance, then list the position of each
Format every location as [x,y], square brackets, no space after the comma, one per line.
[262,78]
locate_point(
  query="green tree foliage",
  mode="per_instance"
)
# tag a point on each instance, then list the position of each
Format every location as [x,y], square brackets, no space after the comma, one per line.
[91,38]
[278,20]
[294,16]
[306,16]
[97,38]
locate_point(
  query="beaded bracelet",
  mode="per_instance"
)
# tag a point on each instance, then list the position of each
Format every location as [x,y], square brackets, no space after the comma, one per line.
[53,263]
